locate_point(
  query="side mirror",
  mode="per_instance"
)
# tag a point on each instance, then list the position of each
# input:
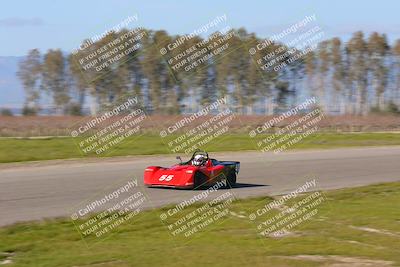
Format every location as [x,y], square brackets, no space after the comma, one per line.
[179,158]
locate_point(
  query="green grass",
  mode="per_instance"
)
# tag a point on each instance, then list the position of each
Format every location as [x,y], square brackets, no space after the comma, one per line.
[233,241]
[15,150]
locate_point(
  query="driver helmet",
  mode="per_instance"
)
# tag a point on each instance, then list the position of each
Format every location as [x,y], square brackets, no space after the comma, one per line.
[199,160]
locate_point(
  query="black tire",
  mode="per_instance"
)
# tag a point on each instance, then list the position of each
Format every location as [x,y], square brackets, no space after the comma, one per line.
[199,180]
[231,179]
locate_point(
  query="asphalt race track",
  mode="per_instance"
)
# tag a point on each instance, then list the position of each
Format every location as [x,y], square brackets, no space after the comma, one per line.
[31,191]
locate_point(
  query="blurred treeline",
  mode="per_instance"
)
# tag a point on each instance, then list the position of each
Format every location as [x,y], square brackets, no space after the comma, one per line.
[356,77]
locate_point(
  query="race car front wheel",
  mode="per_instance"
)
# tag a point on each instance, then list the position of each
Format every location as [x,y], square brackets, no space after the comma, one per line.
[199,180]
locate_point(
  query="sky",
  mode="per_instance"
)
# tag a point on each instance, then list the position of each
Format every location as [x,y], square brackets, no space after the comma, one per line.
[46,24]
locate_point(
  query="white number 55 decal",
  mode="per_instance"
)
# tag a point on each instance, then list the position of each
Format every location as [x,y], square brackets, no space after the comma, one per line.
[166,177]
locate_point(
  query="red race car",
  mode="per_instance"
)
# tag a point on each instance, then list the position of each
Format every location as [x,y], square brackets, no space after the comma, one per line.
[199,171]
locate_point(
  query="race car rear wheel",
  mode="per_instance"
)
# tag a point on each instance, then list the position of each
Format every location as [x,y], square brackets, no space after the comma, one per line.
[231,179]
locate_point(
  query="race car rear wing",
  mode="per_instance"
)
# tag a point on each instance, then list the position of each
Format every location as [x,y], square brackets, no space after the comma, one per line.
[232,164]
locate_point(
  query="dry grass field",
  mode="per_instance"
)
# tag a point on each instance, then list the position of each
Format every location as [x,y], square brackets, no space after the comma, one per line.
[62,125]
